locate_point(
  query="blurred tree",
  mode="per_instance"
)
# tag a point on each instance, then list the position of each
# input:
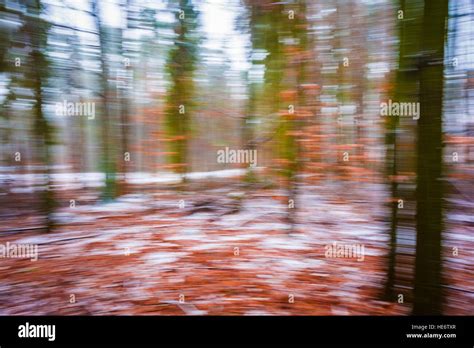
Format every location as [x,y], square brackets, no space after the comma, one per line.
[270,23]
[257,28]
[124,97]
[259,25]
[107,135]
[429,189]
[72,71]
[282,33]
[248,131]
[406,89]
[36,29]
[343,30]
[4,44]
[179,101]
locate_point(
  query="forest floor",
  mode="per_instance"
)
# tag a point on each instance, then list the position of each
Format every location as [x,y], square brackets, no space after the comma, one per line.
[214,249]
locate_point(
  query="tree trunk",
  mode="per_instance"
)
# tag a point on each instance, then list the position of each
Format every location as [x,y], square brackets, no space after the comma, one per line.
[429,192]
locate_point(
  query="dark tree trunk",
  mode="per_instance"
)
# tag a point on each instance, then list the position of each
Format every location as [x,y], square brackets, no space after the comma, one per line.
[429,192]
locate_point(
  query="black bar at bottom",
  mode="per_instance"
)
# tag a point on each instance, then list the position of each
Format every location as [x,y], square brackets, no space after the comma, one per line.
[454,331]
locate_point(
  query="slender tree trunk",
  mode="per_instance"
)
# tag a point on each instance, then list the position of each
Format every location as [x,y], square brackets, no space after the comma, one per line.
[37,30]
[406,90]
[108,158]
[248,129]
[391,160]
[42,129]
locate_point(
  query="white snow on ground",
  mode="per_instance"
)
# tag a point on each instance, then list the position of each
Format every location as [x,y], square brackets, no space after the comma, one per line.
[102,235]
[67,181]
[160,258]
[281,242]
[188,234]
